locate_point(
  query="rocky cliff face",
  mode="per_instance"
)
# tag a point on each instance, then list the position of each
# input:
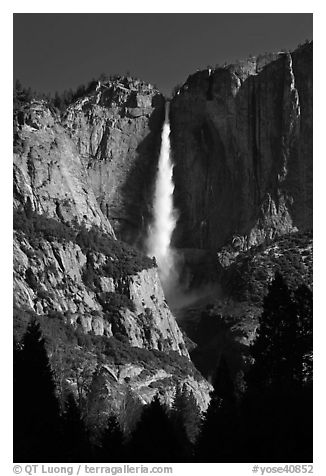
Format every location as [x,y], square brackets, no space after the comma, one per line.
[49,176]
[51,279]
[241,140]
[103,307]
[242,144]
[97,162]
[116,131]
[125,320]
[225,322]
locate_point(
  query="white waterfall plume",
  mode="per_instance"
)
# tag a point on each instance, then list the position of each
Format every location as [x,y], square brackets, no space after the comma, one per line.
[165,216]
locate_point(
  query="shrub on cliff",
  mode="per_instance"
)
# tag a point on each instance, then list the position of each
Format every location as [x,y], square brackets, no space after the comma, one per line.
[36,226]
[248,277]
[123,260]
[113,302]
[174,363]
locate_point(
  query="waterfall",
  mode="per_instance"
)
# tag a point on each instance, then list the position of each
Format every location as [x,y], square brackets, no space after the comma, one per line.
[164,215]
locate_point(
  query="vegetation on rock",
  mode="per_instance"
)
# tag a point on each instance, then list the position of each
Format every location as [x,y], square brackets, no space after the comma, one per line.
[272,420]
[275,408]
[123,259]
[247,279]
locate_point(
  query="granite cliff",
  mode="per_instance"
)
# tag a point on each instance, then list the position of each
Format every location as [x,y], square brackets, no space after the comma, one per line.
[95,162]
[225,322]
[241,140]
[242,144]
[53,276]
[116,130]
[102,309]
[49,176]
[99,301]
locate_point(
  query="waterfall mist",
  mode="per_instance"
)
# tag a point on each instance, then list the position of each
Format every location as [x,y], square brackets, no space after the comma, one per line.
[164,214]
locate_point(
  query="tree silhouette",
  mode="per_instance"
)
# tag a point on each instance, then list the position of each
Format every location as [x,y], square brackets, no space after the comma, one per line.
[218,439]
[223,384]
[76,444]
[21,95]
[37,422]
[186,417]
[112,443]
[277,409]
[274,348]
[154,439]
[97,405]
[130,412]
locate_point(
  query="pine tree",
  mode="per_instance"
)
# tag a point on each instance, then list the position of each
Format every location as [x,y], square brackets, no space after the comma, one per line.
[223,383]
[218,439]
[186,413]
[18,88]
[58,102]
[76,444]
[179,417]
[37,422]
[154,439]
[274,348]
[21,95]
[112,442]
[130,412]
[97,405]
[276,410]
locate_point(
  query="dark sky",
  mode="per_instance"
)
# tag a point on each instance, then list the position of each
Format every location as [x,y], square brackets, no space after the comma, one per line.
[58,51]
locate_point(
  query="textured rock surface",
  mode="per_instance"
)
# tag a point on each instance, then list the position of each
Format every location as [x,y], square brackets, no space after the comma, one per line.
[93,164]
[49,279]
[228,322]
[242,144]
[117,133]
[48,171]
[58,270]
[96,163]
[147,387]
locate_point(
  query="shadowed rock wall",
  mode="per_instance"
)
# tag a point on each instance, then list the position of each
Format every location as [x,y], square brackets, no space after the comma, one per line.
[242,144]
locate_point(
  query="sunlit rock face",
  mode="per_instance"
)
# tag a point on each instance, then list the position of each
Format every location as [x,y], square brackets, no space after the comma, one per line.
[59,271]
[241,140]
[96,165]
[97,162]
[242,144]
[138,338]
[116,131]
[49,176]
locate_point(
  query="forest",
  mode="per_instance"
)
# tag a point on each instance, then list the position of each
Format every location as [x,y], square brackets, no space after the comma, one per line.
[271,420]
